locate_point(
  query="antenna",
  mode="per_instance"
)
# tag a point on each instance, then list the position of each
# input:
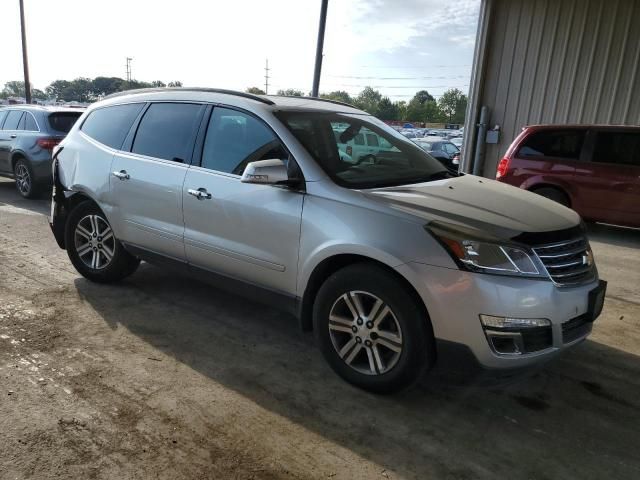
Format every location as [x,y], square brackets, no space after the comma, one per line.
[128,66]
[266,76]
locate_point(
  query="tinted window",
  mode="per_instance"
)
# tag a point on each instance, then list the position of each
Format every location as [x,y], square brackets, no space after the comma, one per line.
[358,139]
[235,139]
[3,114]
[398,161]
[110,125]
[562,144]
[21,122]
[63,121]
[30,123]
[168,131]
[13,119]
[617,147]
[372,139]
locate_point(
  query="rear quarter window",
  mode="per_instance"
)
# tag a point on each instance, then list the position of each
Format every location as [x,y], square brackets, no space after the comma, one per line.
[61,122]
[110,125]
[553,143]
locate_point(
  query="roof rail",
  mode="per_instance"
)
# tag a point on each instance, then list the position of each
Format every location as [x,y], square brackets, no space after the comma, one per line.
[317,99]
[192,89]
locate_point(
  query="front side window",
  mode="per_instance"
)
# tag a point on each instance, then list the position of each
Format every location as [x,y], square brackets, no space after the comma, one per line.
[13,120]
[234,139]
[3,115]
[110,125]
[622,148]
[558,143]
[396,160]
[168,130]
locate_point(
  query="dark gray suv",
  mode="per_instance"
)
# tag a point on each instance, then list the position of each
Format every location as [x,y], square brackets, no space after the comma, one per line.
[28,134]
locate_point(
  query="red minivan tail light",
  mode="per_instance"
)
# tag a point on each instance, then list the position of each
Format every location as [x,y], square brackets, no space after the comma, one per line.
[503,167]
[48,143]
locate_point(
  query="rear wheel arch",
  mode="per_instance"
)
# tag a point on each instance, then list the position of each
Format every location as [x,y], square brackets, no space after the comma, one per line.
[562,192]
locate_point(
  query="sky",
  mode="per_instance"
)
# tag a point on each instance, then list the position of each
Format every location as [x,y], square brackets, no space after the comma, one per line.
[396,46]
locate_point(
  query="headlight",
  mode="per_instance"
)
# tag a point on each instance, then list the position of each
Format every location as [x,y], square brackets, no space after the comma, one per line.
[486,255]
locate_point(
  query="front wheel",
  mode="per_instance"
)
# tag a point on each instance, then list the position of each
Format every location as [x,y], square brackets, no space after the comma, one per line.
[92,247]
[371,330]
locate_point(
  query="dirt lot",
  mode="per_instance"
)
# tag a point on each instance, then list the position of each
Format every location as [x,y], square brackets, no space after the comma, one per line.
[163,377]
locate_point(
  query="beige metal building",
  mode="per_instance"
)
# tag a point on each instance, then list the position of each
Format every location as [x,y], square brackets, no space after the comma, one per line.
[551,61]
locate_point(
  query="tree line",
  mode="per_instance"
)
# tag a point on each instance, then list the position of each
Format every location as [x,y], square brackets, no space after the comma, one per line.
[81,89]
[423,107]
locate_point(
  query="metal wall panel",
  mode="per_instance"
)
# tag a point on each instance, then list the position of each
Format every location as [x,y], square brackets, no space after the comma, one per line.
[557,61]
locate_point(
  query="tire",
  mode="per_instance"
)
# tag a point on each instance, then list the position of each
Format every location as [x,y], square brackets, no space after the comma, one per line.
[25,180]
[554,194]
[395,348]
[90,253]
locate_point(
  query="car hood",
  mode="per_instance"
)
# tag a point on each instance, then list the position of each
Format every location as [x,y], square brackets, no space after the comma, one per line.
[479,203]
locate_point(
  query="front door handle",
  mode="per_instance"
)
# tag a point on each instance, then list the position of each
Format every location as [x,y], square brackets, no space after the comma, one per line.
[122,175]
[200,194]
[13,135]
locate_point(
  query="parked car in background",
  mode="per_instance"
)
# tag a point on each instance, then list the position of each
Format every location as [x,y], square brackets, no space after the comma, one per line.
[457,141]
[250,193]
[593,169]
[28,134]
[443,150]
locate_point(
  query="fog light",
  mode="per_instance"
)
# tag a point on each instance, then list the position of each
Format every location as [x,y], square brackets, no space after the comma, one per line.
[489,321]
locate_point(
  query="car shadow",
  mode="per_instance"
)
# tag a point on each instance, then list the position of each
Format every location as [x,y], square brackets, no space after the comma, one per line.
[577,418]
[10,196]
[618,236]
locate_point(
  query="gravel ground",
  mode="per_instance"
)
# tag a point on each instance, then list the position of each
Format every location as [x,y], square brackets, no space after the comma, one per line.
[164,377]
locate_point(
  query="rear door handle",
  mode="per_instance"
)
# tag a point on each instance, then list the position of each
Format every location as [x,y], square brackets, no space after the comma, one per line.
[13,135]
[122,175]
[200,194]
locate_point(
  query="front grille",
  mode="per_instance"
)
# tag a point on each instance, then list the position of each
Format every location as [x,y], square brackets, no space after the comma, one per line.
[575,328]
[536,339]
[569,262]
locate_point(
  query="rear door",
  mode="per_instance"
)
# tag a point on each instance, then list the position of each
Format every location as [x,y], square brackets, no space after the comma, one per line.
[146,182]
[245,231]
[609,178]
[8,137]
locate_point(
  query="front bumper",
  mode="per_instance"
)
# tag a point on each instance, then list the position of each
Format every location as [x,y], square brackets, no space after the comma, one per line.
[455,299]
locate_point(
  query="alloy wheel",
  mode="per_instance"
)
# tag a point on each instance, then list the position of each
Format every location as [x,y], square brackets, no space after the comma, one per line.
[23,179]
[365,333]
[94,242]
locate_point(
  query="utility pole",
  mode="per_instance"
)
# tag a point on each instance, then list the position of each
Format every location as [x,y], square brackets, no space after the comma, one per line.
[129,70]
[266,76]
[25,60]
[316,73]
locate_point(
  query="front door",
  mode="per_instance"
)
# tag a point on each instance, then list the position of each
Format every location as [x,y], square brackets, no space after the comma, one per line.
[8,137]
[146,183]
[245,231]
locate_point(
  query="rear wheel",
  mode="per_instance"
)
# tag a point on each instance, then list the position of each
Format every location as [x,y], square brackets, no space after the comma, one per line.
[25,181]
[93,248]
[371,330]
[555,195]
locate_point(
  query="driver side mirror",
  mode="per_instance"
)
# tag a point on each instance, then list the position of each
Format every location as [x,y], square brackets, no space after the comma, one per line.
[266,172]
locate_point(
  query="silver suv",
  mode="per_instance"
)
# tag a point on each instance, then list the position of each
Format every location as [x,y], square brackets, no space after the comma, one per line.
[393,261]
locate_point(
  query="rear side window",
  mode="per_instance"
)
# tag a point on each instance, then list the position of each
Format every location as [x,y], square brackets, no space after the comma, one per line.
[621,148]
[168,131]
[556,143]
[62,122]
[110,125]
[30,123]
[235,139]
[12,121]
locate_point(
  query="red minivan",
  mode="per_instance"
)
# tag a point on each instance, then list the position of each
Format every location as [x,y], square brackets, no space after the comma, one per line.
[591,168]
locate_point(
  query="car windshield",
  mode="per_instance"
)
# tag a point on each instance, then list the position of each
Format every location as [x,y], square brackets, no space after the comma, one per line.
[360,151]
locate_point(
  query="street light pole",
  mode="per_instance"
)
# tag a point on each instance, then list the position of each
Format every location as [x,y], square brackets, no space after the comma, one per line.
[319,47]
[25,61]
